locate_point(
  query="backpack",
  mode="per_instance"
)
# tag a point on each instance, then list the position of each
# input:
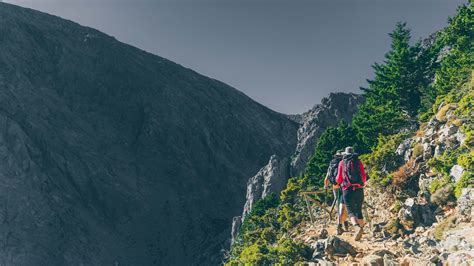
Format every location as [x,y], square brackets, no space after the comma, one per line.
[351,169]
[332,170]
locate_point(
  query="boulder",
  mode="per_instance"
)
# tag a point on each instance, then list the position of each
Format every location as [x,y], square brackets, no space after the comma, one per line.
[461,258]
[433,123]
[456,172]
[338,247]
[465,203]
[318,247]
[408,215]
[372,260]
[439,149]
[389,260]
[427,151]
[426,215]
[404,150]
[460,137]
[459,239]
[450,130]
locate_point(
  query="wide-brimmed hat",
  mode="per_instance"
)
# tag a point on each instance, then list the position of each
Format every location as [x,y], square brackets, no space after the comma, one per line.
[348,150]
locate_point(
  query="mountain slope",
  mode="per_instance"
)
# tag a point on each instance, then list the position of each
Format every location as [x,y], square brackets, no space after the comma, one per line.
[114,155]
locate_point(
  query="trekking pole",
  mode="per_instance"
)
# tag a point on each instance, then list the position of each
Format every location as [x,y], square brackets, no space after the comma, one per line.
[309,209]
[332,207]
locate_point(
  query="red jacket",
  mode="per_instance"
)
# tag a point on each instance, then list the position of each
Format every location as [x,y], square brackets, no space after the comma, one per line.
[341,175]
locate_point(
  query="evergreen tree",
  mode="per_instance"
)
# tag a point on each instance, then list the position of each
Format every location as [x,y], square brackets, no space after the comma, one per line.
[393,97]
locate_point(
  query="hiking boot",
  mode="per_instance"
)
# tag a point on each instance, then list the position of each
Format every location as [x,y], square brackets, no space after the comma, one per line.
[358,232]
[346,226]
[339,229]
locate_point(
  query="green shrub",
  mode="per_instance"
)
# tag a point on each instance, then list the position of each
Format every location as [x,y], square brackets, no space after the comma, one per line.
[465,181]
[439,183]
[466,160]
[256,254]
[417,150]
[383,159]
[290,252]
[442,227]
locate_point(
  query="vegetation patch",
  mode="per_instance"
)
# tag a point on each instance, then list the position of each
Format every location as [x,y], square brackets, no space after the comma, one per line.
[443,226]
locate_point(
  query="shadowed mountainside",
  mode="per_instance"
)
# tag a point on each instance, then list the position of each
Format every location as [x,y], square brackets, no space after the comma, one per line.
[114,155]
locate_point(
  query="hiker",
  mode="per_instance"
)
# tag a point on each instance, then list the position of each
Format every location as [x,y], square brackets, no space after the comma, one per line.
[351,176]
[330,179]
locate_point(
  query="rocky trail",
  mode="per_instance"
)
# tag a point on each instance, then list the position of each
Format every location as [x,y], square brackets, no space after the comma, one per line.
[380,247]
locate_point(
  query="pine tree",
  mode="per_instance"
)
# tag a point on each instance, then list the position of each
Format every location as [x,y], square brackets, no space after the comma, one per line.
[393,97]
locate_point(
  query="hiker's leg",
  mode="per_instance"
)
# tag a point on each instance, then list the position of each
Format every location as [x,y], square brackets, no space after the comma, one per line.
[348,200]
[342,213]
[360,203]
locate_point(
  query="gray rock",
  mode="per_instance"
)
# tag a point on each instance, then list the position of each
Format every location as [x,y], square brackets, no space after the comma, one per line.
[460,137]
[439,149]
[461,258]
[236,223]
[337,246]
[427,217]
[458,239]
[450,130]
[318,247]
[456,172]
[433,123]
[465,205]
[390,260]
[321,262]
[372,260]
[427,151]
[332,110]
[271,178]
[408,215]
[404,150]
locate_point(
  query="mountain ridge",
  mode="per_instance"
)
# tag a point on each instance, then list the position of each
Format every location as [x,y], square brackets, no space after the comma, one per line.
[111,152]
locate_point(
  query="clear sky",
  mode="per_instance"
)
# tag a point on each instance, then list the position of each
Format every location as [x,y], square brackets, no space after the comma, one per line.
[286,55]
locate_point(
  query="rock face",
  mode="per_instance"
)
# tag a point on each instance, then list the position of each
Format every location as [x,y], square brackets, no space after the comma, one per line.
[274,176]
[333,109]
[270,179]
[114,156]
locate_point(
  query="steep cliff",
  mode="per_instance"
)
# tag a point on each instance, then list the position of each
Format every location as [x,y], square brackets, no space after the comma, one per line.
[114,155]
[273,177]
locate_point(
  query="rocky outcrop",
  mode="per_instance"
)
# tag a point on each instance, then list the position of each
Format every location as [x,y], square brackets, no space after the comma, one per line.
[271,178]
[114,156]
[332,110]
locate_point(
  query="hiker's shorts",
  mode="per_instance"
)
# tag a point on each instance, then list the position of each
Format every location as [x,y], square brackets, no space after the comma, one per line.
[353,200]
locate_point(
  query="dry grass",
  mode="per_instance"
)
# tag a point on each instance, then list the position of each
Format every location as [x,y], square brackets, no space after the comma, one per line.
[404,172]
[457,122]
[420,133]
[443,226]
[441,115]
